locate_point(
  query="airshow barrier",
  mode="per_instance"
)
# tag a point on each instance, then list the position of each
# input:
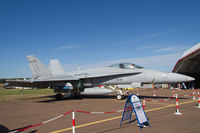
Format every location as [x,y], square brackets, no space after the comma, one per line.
[126,109]
[198,100]
[59,116]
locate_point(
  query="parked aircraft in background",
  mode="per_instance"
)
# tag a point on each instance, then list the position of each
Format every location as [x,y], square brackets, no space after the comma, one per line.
[88,81]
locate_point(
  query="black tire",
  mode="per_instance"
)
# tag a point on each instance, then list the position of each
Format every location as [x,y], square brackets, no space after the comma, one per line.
[119,97]
[59,96]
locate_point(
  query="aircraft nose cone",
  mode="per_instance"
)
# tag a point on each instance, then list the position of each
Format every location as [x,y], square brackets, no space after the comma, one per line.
[190,78]
[179,78]
[184,78]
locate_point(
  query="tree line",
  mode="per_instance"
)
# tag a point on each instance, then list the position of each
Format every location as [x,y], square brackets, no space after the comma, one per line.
[4,80]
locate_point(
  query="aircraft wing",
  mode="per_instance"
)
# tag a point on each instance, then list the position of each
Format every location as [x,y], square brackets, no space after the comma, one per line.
[62,80]
[105,71]
[44,77]
[42,83]
[101,75]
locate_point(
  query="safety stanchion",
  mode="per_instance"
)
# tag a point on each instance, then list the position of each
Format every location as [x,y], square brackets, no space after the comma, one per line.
[143,104]
[173,95]
[198,100]
[177,108]
[154,92]
[193,93]
[137,92]
[179,86]
[73,122]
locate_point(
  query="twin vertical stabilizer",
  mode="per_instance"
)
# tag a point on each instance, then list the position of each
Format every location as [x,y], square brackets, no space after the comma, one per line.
[37,68]
[56,68]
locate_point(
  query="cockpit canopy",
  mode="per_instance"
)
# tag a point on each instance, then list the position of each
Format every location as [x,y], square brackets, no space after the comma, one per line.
[126,66]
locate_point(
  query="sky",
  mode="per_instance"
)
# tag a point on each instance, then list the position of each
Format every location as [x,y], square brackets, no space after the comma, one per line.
[93,33]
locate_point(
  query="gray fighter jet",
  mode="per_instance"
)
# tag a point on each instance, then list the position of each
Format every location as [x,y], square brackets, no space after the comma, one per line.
[90,81]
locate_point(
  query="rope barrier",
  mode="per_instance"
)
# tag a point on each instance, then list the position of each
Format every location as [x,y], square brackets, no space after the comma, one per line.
[73,116]
[109,112]
[173,95]
[161,100]
[183,95]
[42,123]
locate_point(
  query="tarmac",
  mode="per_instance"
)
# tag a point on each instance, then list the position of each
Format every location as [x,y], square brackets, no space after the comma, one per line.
[21,113]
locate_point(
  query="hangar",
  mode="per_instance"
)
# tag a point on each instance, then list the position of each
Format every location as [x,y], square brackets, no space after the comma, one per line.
[189,64]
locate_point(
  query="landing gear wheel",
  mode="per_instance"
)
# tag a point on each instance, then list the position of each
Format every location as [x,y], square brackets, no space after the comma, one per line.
[119,97]
[77,93]
[59,96]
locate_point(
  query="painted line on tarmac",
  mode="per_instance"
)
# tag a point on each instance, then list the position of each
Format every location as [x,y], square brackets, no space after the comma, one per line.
[159,103]
[171,106]
[113,118]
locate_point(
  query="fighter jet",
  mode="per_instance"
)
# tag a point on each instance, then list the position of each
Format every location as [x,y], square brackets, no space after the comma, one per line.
[93,81]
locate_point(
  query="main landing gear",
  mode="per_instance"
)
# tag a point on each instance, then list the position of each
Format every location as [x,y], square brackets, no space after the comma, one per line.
[119,97]
[59,96]
[120,92]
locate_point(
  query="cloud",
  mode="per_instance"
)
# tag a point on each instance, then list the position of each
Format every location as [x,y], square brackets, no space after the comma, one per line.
[66,47]
[171,48]
[159,62]
[141,38]
[148,47]
[166,61]
[175,46]
[136,39]
[149,36]
[153,35]
[158,45]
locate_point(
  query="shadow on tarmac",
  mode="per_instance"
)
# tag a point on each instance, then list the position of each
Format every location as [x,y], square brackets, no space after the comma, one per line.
[3,129]
[34,131]
[52,97]
[77,98]
[123,126]
[160,97]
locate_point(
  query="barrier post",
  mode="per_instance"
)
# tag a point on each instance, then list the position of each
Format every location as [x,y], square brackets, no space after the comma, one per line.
[173,95]
[177,108]
[198,99]
[73,122]
[193,94]
[144,103]
[154,92]
[137,92]
[179,86]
